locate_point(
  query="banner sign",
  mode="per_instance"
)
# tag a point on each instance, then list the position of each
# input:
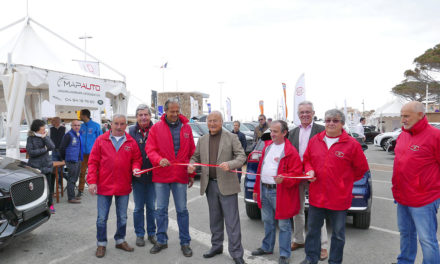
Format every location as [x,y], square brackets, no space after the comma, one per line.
[154,99]
[300,95]
[72,90]
[160,110]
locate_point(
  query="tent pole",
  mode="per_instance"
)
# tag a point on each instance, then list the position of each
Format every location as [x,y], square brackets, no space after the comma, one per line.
[12,24]
[78,48]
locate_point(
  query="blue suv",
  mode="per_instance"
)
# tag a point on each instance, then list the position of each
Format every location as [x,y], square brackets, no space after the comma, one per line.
[362,191]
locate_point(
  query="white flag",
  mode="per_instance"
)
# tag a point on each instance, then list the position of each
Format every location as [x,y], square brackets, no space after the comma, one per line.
[228,109]
[90,67]
[300,95]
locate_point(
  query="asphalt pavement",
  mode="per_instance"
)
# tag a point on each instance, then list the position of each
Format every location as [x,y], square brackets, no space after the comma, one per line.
[70,234]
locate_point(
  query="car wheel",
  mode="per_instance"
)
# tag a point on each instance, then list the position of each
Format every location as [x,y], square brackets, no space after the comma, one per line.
[362,220]
[383,142]
[252,211]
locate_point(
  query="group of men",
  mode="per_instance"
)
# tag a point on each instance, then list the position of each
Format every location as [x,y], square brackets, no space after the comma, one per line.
[73,147]
[329,159]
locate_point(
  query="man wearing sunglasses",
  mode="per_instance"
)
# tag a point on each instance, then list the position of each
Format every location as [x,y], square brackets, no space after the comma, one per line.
[262,126]
[299,137]
[336,161]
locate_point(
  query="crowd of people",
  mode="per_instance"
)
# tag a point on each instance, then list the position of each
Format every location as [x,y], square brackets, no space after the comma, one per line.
[329,159]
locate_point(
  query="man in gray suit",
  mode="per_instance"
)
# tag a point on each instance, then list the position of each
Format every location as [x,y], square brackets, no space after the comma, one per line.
[221,186]
[299,137]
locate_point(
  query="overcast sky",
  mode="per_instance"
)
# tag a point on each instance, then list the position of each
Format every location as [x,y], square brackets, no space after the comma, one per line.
[353,50]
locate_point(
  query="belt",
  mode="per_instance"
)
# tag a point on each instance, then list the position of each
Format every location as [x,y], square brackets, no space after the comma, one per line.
[213,179]
[269,186]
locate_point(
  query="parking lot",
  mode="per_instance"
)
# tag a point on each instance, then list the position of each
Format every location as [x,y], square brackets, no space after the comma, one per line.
[69,236]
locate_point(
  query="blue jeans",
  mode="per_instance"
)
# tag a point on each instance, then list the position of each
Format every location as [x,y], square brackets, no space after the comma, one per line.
[163,198]
[421,222]
[104,203]
[313,239]
[268,207]
[144,197]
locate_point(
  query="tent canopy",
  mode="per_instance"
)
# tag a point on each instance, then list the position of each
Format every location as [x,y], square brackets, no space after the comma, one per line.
[390,109]
[26,77]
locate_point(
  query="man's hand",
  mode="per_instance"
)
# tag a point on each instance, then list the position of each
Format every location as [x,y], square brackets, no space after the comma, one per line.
[164,162]
[191,182]
[311,173]
[278,179]
[224,166]
[191,169]
[93,189]
[254,195]
[135,173]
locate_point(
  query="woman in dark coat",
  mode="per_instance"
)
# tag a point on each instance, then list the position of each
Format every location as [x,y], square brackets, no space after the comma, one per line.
[38,146]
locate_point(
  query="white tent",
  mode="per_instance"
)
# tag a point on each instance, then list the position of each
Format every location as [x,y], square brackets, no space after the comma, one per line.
[387,117]
[29,67]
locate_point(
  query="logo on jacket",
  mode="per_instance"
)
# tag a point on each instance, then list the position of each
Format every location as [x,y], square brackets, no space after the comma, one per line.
[414,148]
[186,135]
[127,148]
[339,154]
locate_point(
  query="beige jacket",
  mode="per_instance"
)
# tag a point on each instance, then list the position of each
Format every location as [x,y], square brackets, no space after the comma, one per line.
[230,151]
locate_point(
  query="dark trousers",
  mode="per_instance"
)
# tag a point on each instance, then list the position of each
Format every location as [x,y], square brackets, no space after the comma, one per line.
[223,210]
[313,239]
[82,175]
[51,181]
[73,169]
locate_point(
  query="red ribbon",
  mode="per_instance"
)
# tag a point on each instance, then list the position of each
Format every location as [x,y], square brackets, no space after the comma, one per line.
[213,165]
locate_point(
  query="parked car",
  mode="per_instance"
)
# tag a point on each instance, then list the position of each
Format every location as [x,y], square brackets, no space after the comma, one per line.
[251,125]
[370,134]
[23,199]
[382,138]
[22,141]
[362,191]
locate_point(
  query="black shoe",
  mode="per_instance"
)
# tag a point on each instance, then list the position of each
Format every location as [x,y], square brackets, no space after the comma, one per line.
[211,253]
[186,250]
[260,252]
[239,261]
[140,242]
[157,248]
[283,260]
[152,239]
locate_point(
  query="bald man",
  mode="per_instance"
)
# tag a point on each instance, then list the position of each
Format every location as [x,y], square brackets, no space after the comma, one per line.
[221,186]
[416,184]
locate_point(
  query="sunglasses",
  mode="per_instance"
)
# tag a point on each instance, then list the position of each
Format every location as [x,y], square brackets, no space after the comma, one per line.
[334,121]
[260,119]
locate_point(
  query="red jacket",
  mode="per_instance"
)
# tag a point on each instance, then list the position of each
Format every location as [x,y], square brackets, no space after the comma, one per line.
[160,145]
[416,173]
[111,171]
[336,169]
[287,202]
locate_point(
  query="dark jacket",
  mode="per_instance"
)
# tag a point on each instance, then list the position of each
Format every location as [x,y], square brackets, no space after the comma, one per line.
[56,135]
[38,149]
[242,139]
[70,147]
[294,134]
[259,131]
[136,134]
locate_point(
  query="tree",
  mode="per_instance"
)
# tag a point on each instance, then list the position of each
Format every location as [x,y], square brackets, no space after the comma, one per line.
[414,85]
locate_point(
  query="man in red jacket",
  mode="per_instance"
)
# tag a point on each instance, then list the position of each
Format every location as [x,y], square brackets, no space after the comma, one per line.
[113,159]
[277,197]
[171,141]
[416,185]
[336,160]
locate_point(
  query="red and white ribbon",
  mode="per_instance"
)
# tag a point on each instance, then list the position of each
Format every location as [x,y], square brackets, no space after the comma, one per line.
[299,177]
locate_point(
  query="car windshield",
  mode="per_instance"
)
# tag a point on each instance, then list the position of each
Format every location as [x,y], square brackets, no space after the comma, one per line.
[204,128]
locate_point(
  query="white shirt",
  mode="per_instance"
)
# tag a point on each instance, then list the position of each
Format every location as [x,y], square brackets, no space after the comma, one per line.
[360,130]
[271,162]
[330,141]
[304,136]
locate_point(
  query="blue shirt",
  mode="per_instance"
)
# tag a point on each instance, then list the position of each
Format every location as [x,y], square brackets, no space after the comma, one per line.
[117,143]
[90,131]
